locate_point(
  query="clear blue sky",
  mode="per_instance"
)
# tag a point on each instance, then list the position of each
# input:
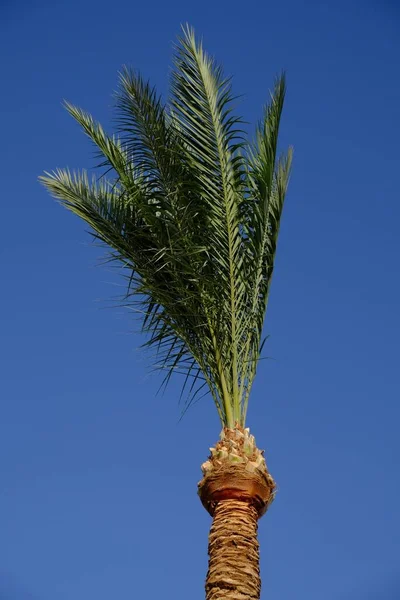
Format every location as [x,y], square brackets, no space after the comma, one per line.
[98,478]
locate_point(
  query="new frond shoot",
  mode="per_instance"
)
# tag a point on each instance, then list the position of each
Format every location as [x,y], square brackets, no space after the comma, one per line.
[191,210]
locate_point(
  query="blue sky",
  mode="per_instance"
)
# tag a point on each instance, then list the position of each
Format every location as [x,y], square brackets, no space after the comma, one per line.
[98,477]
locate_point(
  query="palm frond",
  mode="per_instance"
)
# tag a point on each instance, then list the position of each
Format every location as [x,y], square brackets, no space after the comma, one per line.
[267,180]
[201,99]
[192,214]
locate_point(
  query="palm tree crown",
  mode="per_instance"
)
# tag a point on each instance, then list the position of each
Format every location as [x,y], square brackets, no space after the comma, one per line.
[192,211]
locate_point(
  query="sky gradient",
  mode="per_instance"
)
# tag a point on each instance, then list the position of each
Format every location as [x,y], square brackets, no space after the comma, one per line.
[98,475]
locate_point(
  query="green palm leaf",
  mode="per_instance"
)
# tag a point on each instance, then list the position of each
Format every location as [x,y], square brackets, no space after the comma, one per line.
[192,212]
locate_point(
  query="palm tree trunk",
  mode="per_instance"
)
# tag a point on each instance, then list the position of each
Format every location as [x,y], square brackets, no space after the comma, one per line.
[236,490]
[233,568]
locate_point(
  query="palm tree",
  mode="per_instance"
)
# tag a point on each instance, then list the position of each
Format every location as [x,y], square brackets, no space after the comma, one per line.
[191,211]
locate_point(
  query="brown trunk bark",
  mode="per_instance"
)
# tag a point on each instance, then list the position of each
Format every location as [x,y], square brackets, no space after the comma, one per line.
[236,490]
[233,568]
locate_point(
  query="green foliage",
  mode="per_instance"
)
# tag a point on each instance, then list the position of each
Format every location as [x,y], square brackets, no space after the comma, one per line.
[192,212]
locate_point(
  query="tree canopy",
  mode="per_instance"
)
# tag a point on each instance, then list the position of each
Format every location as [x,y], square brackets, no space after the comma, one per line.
[191,210]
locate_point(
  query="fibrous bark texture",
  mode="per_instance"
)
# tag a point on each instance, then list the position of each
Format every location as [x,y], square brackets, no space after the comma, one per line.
[233,549]
[236,490]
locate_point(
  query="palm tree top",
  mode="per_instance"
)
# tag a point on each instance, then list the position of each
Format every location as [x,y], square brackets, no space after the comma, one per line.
[191,210]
